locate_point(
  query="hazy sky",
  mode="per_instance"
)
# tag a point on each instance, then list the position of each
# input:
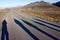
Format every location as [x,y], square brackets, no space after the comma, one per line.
[14,3]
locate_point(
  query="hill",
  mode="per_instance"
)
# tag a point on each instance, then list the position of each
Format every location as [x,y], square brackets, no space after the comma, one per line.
[44,10]
[39,5]
[57,4]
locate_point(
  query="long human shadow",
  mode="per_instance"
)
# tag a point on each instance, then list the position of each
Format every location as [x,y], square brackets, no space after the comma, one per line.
[48,23]
[40,30]
[47,26]
[26,30]
[4,31]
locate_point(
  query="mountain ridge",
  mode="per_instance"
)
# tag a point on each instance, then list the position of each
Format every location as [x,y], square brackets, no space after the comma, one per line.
[57,4]
[39,4]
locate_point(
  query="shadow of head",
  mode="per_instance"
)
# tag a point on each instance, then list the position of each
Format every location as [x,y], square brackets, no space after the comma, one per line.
[4,22]
[4,26]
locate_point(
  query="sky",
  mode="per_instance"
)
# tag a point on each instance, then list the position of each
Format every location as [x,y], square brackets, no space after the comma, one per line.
[15,3]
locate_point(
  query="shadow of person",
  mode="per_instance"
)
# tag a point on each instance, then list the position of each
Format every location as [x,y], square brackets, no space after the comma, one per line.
[26,29]
[4,31]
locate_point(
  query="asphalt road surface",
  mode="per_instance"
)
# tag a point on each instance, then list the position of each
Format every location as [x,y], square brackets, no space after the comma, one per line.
[21,26]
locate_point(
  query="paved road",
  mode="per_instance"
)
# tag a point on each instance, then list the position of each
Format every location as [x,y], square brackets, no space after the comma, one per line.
[21,26]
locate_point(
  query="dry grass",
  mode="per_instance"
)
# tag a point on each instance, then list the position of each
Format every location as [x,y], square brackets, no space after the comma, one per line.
[52,16]
[4,11]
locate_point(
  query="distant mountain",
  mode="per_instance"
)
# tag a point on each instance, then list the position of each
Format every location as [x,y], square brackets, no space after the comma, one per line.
[39,4]
[57,4]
